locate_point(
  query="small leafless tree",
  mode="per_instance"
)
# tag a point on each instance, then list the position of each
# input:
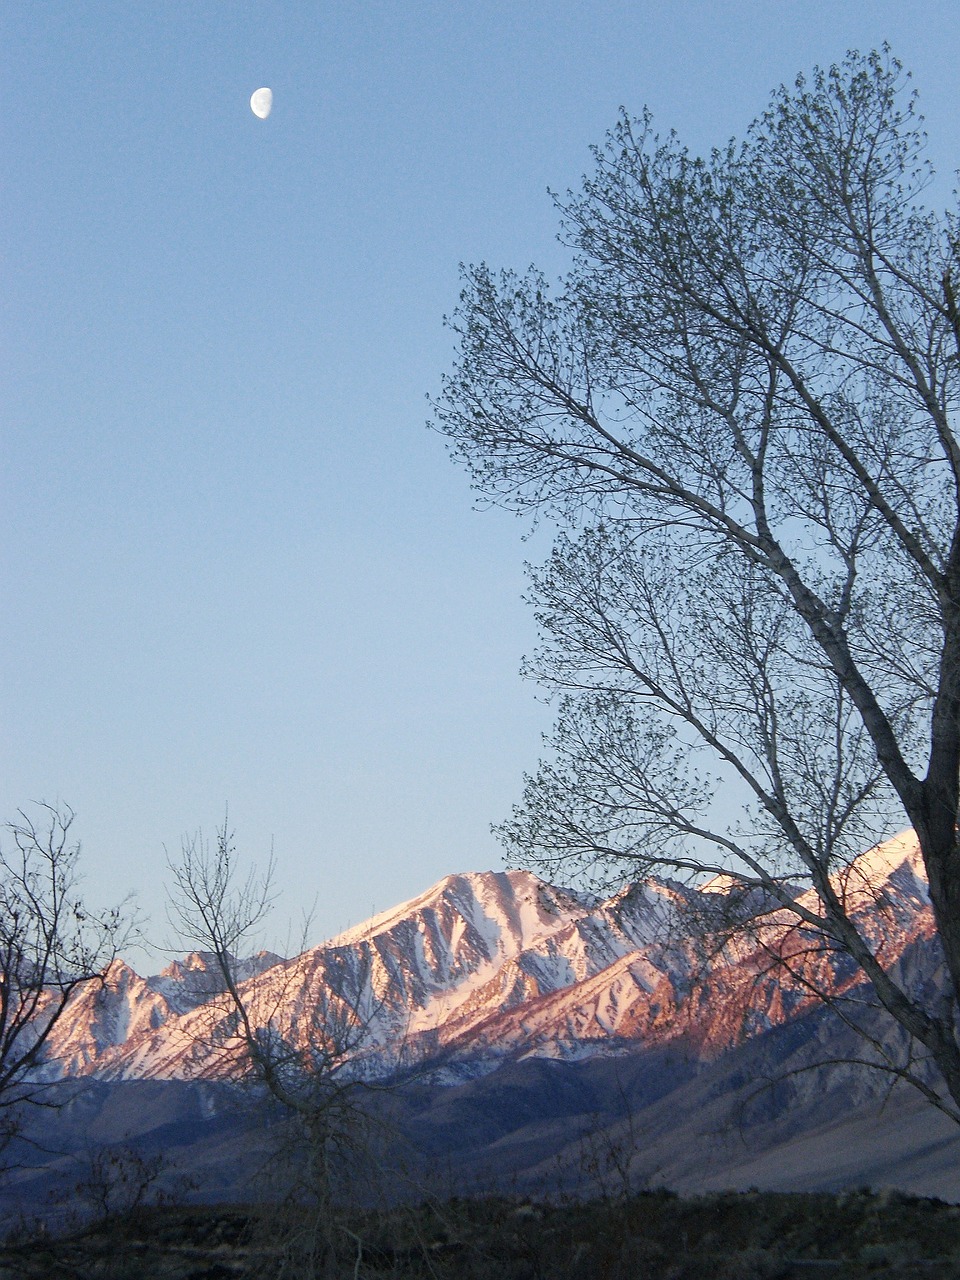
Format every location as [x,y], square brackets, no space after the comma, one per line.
[741,407]
[296,1046]
[52,944]
[120,1181]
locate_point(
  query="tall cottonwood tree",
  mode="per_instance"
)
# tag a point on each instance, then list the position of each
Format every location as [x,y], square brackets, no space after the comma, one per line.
[740,406]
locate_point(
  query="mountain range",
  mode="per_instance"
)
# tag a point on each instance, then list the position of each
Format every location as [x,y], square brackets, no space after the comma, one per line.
[498,966]
[529,1024]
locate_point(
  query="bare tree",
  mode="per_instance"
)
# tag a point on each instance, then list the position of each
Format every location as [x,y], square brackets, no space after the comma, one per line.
[52,944]
[297,1046]
[740,405]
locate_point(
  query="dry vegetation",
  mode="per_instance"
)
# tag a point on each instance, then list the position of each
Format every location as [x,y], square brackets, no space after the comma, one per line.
[651,1236]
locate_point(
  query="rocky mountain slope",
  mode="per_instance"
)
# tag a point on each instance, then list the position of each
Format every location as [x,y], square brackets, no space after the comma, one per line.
[488,967]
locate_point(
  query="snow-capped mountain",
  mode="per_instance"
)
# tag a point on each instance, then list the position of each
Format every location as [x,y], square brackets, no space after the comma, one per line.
[543,1028]
[490,966]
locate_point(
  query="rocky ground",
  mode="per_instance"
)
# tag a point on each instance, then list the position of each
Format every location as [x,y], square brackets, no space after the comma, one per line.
[652,1236]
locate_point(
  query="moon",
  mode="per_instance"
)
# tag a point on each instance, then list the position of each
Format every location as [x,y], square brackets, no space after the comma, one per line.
[261,102]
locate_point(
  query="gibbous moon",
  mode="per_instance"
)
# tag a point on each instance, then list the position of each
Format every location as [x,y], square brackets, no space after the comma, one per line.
[261,102]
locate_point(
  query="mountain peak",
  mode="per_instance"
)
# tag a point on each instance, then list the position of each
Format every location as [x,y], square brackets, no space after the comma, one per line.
[520,896]
[885,860]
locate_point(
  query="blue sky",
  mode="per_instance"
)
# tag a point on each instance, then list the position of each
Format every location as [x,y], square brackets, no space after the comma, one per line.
[236,568]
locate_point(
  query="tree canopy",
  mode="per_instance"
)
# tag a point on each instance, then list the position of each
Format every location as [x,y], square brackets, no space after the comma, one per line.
[740,407]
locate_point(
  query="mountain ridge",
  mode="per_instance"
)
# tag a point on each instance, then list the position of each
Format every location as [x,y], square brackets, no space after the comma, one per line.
[530,1035]
[487,966]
